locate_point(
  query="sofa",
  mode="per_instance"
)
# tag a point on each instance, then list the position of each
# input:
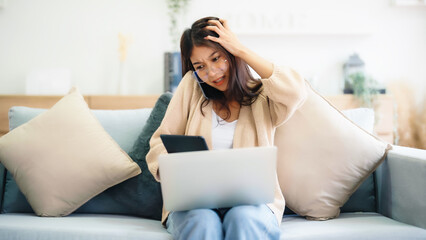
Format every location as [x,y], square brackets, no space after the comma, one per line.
[390,204]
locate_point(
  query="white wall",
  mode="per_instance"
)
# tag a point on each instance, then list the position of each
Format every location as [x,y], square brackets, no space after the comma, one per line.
[83,36]
[315,37]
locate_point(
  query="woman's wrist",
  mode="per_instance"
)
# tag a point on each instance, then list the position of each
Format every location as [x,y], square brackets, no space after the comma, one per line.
[242,52]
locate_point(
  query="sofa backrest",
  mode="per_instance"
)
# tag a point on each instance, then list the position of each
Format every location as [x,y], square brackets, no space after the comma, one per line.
[93,101]
[364,199]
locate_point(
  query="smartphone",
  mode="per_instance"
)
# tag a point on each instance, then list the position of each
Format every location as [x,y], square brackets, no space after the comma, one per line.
[209,92]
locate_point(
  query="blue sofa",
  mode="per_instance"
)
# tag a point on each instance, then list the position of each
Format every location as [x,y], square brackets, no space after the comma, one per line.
[389,205]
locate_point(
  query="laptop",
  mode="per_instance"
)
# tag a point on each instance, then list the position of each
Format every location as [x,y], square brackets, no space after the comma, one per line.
[218,178]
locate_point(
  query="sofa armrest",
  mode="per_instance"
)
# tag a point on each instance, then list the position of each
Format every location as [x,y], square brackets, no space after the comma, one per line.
[401,186]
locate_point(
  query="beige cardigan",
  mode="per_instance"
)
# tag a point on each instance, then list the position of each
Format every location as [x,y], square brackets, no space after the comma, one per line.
[281,95]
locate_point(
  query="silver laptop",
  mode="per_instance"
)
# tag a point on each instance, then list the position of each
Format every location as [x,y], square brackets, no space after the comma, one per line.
[218,178]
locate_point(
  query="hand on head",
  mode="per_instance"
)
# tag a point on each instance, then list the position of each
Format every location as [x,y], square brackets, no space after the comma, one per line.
[226,38]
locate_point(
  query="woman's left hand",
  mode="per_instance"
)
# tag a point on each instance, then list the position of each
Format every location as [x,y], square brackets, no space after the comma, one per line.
[226,38]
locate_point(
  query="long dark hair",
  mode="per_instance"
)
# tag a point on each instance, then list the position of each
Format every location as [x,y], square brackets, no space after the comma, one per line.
[242,86]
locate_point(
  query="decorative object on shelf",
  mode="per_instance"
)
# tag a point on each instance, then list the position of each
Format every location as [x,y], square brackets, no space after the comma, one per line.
[172,60]
[364,88]
[123,42]
[353,65]
[358,83]
[410,114]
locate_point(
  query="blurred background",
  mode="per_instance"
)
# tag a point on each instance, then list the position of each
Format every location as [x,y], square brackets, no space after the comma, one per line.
[110,47]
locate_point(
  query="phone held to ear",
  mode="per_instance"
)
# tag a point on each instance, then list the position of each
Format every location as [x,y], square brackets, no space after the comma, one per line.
[208,91]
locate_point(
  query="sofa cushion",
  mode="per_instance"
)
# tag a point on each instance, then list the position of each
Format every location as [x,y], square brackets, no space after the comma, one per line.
[140,195]
[2,184]
[323,158]
[15,226]
[349,226]
[63,157]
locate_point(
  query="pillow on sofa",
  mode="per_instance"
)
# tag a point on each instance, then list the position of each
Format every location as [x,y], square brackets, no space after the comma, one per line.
[2,183]
[63,157]
[363,117]
[323,158]
[123,126]
[140,195]
[364,198]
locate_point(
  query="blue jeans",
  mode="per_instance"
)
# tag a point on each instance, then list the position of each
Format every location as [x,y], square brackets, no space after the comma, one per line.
[241,222]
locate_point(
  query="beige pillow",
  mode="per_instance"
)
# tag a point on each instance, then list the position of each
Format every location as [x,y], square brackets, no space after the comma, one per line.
[63,157]
[323,158]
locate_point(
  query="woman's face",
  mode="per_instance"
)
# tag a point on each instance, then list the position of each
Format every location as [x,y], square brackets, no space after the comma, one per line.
[211,66]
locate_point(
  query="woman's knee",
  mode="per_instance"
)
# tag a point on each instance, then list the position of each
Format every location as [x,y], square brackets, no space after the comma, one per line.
[242,214]
[251,215]
[203,216]
[255,221]
[196,224]
[203,220]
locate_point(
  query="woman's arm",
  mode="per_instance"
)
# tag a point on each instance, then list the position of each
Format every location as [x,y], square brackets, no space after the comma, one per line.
[286,91]
[231,43]
[174,122]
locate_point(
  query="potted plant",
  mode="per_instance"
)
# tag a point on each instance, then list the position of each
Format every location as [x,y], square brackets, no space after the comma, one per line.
[356,82]
[172,60]
[364,88]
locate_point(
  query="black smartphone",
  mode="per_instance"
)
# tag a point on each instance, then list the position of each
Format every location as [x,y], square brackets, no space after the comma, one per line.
[183,143]
[209,92]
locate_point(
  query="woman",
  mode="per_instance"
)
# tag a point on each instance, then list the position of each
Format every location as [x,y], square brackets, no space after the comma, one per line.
[219,99]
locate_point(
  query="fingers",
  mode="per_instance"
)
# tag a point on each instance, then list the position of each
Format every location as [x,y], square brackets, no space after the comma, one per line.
[219,26]
[211,38]
[218,23]
[224,23]
[214,29]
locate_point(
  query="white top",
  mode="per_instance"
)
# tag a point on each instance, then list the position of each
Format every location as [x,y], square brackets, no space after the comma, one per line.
[222,132]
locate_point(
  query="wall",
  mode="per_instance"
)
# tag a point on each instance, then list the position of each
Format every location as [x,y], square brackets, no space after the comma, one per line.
[83,37]
[315,37]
